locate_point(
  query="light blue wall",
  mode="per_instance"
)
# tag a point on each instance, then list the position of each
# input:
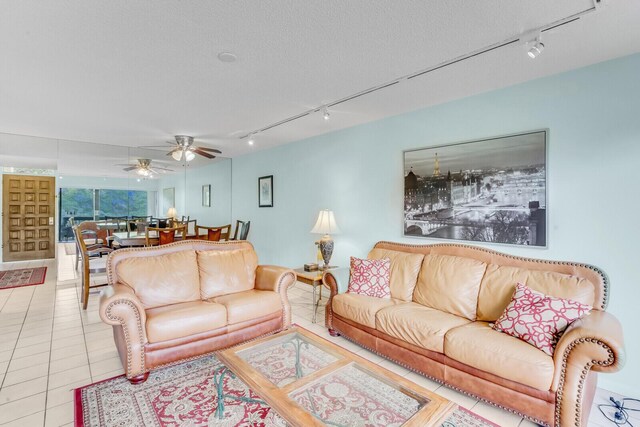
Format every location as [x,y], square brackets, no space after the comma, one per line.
[593,115]
[188,191]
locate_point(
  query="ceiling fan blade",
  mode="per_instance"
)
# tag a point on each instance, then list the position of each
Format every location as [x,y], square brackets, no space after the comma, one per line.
[130,168]
[213,150]
[163,169]
[203,153]
[153,146]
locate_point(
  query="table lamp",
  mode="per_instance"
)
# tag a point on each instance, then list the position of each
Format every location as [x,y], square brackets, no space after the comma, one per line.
[326,224]
[172,213]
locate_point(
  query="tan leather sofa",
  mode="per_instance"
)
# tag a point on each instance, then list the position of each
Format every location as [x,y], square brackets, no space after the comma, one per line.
[444,299]
[179,301]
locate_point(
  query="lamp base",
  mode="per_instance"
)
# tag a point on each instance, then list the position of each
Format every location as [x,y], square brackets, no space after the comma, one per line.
[326,249]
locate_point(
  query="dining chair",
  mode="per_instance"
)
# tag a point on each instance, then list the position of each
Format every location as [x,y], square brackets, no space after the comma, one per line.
[92,236]
[190,224]
[119,222]
[160,222]
[93,259]
[164,235]
[214,234]
[137,226]
[242,230]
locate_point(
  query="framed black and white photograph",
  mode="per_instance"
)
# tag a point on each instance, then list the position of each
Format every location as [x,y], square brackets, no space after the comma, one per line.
[491,190]
[265,191]
[206,195]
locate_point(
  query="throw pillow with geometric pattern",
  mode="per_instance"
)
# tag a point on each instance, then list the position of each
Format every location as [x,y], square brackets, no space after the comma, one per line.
[539,319]
[370,277]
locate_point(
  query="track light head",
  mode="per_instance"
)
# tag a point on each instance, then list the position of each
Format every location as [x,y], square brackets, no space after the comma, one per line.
[325,114]
[536,49]
[251,140]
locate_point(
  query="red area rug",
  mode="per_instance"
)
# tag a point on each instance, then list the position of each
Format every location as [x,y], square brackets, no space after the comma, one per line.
[22,277]
[187,395]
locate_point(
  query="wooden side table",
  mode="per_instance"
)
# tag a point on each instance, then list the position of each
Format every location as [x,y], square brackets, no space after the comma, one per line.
[313,278]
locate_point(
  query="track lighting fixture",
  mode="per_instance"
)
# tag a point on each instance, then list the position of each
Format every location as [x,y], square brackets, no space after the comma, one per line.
[536,49]
[532,39]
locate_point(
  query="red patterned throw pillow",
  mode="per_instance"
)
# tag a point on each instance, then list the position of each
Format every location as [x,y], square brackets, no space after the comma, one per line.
[370,277]
[539,319]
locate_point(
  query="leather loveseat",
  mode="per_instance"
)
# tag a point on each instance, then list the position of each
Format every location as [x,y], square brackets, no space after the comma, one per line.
[179,301]
[444,298]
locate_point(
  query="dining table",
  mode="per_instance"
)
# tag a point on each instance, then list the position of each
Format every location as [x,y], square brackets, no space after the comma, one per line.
[133,238]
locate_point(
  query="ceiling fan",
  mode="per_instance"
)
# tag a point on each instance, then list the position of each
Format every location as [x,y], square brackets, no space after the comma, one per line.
[144,169]
[184,149]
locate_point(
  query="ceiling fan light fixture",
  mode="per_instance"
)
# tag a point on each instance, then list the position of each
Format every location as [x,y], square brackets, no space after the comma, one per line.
[177,155]
[189,155]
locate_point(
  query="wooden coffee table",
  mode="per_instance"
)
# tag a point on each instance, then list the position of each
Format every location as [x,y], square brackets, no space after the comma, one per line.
[310,381]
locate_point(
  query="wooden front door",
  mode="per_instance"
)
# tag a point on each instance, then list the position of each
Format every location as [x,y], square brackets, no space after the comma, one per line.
[28,217]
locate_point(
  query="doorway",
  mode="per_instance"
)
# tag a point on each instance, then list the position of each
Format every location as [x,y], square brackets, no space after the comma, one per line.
[28,217]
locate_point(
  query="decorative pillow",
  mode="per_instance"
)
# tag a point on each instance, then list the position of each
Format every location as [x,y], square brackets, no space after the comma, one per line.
[539,319]
[370,277]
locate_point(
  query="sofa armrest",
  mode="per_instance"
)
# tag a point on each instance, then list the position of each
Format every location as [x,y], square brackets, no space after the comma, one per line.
[337,280]
[120,307]
[594,342]
[277,279]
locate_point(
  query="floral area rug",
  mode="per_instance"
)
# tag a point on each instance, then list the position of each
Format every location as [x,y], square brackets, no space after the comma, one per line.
[189,394]
[22,277]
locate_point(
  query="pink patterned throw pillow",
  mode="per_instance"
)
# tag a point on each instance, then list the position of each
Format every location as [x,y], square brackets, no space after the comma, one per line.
[539,319]
[370,277]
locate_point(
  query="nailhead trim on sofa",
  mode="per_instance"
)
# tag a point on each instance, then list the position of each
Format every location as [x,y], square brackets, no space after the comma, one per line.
[583,375]
[127,338]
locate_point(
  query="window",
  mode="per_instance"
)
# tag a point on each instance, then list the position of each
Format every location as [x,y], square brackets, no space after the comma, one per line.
[95,204]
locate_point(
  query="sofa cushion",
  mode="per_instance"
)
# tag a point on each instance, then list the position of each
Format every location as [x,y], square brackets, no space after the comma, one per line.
[479,346]
[450,284]
[162,279]
[248,305]
[418,325]
[184,319]
[360,308]
[225,272]
[499,283]
[370,277]
[404,271]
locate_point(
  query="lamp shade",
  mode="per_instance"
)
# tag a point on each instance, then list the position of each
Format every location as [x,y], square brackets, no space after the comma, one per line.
[188,155]
[172,213]
[326,223]
[177,155]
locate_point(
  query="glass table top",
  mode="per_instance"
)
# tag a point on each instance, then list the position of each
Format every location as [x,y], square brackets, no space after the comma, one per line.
[288,358]
[353,396]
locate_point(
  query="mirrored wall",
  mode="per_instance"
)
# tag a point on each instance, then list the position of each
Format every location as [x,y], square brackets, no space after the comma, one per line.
[100,181]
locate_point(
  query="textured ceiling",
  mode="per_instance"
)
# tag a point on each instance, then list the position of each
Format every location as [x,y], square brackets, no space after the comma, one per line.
[137,72]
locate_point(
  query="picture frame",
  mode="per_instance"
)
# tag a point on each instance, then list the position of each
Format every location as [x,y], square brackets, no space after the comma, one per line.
[489,190]
[206,195]
[265,191]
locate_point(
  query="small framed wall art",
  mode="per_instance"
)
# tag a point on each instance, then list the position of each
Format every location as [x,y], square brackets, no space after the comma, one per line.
[265,191]
[206,195]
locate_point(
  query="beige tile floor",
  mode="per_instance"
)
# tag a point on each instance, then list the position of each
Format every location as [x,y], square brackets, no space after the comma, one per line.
[49,346]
